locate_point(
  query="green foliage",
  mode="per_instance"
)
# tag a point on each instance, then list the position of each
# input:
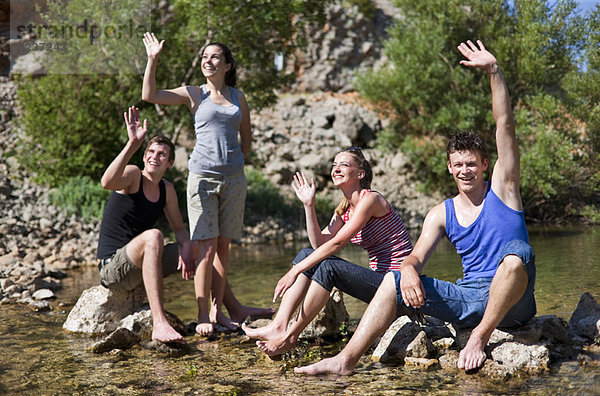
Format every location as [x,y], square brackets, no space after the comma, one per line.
[263,200]
[81,196]
[73,123]
[254,31]
[540,46]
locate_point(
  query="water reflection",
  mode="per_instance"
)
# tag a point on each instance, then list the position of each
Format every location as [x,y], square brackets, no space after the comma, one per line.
[37,357]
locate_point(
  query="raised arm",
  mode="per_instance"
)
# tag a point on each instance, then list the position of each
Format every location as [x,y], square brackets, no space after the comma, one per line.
[150,94]
[306,192]
[505,177]
[119,176]
[186,253]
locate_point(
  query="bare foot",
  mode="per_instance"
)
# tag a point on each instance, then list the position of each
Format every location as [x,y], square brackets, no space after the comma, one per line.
[240,316]
[165,333]
[334,365]
[267,332]
[472,355]
[222,319]
[277,346]
[204,327]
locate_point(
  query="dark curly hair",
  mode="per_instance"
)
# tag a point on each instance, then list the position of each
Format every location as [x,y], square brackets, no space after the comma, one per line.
[467,141]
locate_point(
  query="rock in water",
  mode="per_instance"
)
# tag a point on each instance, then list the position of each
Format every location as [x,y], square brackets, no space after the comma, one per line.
[100,310]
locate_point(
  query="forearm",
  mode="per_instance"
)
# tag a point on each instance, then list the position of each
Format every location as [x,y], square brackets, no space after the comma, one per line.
[501,106]
[182,237]
[315,235]
[149,82]
[322,252]
[246,145]
[411,263]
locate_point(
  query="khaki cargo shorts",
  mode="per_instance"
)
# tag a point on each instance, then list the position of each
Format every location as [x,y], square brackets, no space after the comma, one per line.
[121,273]
[216,205]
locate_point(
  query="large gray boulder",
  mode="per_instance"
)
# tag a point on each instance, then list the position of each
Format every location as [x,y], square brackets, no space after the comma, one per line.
[404,338]
[100,310]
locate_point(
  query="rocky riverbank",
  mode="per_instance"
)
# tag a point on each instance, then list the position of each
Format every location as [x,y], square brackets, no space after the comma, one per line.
[319,115]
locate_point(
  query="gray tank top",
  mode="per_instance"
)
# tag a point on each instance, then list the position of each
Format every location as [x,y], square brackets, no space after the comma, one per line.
[217,150]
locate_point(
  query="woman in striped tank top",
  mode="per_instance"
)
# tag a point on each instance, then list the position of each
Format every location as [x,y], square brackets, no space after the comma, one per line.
[363,218]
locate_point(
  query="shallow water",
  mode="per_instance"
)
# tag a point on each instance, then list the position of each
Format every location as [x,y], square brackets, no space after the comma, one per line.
[37,357]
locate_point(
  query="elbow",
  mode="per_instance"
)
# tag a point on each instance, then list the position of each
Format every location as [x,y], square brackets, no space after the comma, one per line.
[105,183]
[147,97]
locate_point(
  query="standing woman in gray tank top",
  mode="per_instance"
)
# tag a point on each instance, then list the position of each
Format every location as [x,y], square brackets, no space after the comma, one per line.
[216,190]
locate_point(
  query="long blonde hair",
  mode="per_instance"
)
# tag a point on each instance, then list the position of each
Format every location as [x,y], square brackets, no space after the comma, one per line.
[365,182]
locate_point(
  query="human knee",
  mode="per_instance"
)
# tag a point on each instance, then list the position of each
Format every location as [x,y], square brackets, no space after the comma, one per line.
[153,240]
[512,265]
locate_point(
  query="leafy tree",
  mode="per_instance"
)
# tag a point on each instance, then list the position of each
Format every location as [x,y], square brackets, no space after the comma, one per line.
[538,44]
[73,122]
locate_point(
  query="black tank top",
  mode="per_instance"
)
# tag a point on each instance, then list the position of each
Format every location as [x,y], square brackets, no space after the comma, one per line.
[126,216]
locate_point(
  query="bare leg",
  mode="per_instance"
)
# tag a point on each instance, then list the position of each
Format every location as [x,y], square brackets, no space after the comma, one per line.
[202,283]
[378,316]
[506,290]
[219,283]
[290,301]
[315,299]
[239,312]
[145,251]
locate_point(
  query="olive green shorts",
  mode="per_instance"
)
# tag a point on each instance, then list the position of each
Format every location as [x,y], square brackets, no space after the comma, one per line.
[121,273]
[216,205]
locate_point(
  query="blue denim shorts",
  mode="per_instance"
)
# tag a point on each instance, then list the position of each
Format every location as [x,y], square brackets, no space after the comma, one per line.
[352,279]
[464,302]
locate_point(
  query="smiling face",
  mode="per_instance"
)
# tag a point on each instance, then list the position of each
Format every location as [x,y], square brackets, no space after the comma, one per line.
[214,62]
[467,168]
[157,158]
[345,170]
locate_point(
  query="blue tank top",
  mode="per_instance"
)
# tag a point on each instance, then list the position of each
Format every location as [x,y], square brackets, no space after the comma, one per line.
[217,150]
[479,244]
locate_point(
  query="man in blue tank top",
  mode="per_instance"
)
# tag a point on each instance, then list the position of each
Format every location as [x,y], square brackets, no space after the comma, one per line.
[130,250]
[485,223]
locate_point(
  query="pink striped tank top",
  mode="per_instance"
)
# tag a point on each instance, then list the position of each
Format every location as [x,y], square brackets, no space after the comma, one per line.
[385,239]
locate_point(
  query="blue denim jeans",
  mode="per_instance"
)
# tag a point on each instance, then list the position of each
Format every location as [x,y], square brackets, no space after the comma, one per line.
[350,278]
[464,303]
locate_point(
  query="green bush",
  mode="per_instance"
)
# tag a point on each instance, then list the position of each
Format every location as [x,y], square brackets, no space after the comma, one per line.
[549,56]
[82,196]
[264,200]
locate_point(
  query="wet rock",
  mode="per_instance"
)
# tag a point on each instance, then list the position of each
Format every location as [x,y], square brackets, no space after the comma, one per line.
[403,338]
[515,356]
[330,319]
[422,363]
[585,321]
[118,339]
[100,310]
[44,294]
[140,323]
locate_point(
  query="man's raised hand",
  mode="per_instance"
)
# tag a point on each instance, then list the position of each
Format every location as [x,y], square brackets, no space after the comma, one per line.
[136,130]
[477,57]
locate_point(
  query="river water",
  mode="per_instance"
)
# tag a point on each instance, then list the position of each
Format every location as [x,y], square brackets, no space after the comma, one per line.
[37,357]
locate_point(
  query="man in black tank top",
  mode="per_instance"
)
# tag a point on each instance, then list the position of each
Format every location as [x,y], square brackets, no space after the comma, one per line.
[130,250]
